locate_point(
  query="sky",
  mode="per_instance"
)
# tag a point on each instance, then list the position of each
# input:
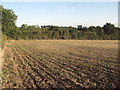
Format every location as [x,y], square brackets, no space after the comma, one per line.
[64,13]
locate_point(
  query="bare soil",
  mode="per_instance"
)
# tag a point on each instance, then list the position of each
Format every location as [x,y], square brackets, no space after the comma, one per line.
[61,64]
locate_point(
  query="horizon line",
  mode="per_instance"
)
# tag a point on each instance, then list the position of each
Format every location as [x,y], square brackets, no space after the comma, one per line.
[65,25]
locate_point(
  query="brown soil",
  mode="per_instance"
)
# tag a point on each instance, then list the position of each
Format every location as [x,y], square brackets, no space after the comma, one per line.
[61,64]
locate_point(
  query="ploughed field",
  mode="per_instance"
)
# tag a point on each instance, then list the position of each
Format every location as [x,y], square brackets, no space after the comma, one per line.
[61,64]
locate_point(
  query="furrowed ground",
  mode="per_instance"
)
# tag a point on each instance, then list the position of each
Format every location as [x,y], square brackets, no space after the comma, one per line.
[61,64]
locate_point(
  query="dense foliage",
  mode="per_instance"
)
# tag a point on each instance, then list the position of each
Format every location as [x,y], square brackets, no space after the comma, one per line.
[8,23]
[108,31]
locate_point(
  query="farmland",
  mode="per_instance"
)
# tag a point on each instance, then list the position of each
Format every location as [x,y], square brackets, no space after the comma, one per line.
[60,64]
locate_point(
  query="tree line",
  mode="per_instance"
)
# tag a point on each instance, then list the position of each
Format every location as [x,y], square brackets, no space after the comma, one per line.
[9,28]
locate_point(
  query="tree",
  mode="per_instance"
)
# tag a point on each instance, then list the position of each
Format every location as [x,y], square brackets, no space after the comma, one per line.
[109,29]
[23,27]
[8,22]
[92,29]
[79,27]
[99,30]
